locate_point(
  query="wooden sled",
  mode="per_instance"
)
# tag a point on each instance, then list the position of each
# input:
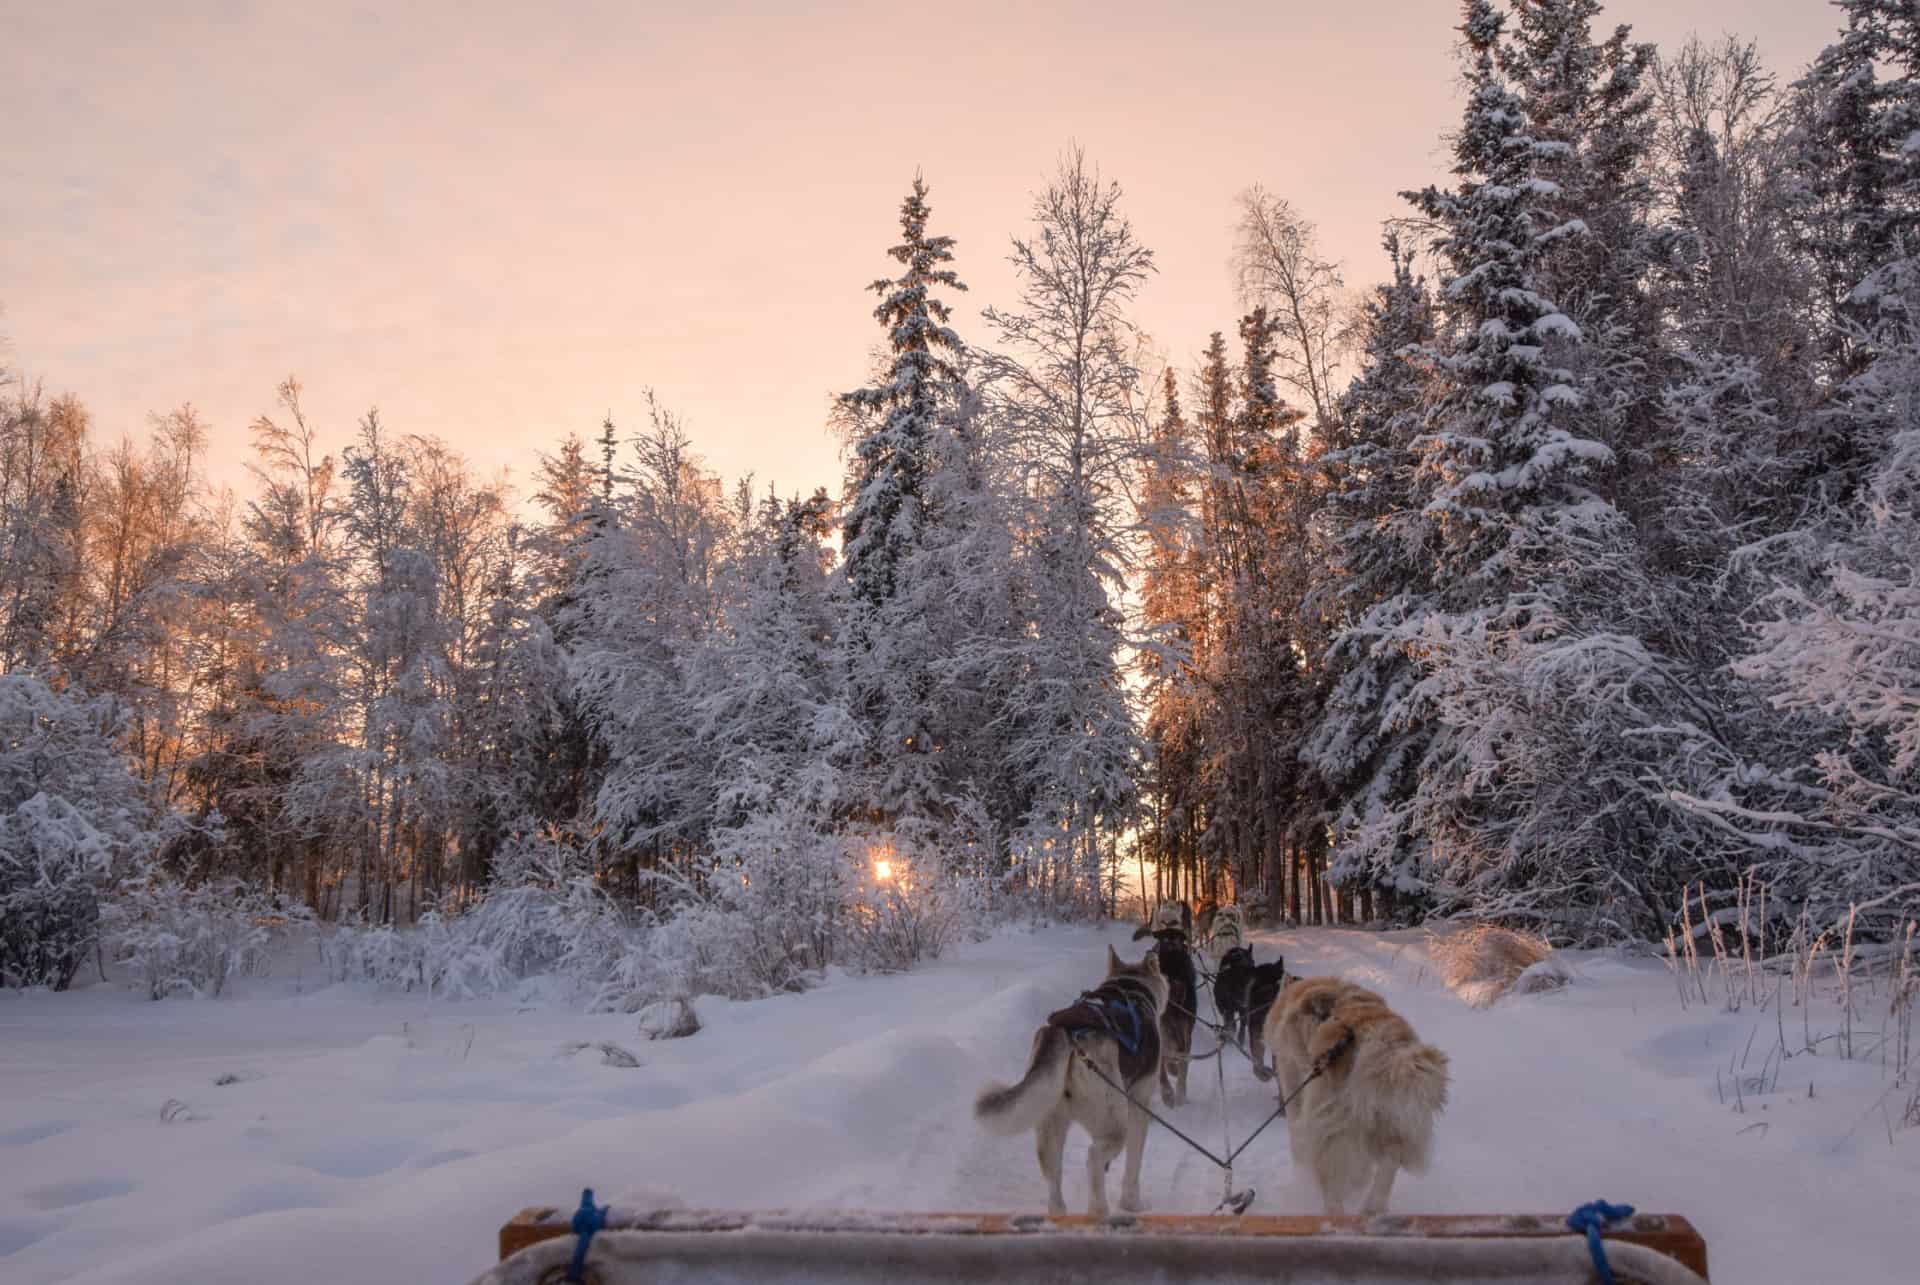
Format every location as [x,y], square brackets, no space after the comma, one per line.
[710,1246]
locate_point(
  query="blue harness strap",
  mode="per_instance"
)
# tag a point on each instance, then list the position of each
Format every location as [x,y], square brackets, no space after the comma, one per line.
[587,1220]
[1107,1006]
[1593,1218]
[1116,1005]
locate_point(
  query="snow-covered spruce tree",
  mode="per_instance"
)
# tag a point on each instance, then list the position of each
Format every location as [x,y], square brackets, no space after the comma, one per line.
[1067,384]
[70,811]
[1688,370]
[1528,794]
[1589,108]
[1371,738]
[894,780]
[1860,111]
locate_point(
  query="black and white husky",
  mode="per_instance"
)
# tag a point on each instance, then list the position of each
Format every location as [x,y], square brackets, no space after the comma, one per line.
[1110,1037]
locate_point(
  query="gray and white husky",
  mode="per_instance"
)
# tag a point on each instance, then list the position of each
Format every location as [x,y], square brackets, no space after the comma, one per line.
[1228,930]
[1114,1028]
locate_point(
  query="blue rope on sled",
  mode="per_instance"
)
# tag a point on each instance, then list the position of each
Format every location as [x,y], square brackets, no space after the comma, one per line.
[587,1220]
[1593,1218]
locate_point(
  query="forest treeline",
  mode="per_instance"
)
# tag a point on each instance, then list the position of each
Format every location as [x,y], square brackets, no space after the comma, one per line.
[1569,568]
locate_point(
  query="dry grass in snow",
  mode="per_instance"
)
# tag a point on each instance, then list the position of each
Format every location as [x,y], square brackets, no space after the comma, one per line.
[1482,962]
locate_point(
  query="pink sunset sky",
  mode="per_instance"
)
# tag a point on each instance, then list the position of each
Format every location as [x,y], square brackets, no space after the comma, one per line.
[496,222]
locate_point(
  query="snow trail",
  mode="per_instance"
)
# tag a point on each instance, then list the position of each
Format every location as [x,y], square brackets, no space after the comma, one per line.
[378,1138]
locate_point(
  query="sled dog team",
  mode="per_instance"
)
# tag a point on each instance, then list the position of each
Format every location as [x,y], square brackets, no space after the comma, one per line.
[1368,1089]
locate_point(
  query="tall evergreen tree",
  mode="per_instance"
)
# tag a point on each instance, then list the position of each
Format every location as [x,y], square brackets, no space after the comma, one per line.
[1529,652]
[1370,743]
[1589,107]
[897,417]
[891,653]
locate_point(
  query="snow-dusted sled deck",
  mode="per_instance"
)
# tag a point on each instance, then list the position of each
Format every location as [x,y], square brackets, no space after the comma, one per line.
[537,1247]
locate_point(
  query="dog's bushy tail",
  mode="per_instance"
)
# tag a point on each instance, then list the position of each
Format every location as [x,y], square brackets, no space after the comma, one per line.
[1017,1108]
[1415,1092]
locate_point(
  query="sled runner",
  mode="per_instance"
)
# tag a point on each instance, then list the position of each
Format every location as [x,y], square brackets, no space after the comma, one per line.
[538,1247]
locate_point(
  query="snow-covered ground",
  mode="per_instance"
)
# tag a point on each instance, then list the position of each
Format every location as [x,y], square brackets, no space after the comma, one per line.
[383,1139]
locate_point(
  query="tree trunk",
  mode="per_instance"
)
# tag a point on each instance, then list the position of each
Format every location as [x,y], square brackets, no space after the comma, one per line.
[1293,894]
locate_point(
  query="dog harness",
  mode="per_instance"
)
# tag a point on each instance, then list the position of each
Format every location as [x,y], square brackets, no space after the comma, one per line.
[1124,1010]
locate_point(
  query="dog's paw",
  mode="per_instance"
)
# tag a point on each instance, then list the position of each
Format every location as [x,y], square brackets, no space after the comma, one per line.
[1133,1203]
[1262,1072]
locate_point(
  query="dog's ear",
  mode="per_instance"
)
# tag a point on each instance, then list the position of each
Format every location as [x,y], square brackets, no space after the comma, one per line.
[1113,961]
[1152,962]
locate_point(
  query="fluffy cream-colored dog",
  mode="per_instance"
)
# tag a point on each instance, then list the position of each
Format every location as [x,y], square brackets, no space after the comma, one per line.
[1370,1113]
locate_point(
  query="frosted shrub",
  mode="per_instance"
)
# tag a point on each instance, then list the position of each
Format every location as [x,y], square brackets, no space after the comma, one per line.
[690,953]
[455,957]
[69,809]
[544,916]
[175,939]
[52,860]
[905,921]
[375,954]
[573,931]
[773,913]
